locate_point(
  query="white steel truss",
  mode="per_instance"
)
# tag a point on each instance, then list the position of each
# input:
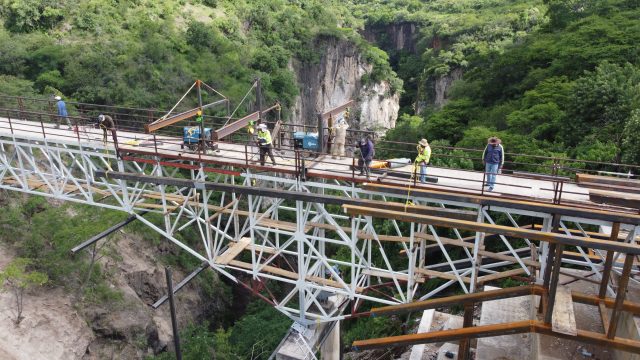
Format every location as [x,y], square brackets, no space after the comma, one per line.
[310,248]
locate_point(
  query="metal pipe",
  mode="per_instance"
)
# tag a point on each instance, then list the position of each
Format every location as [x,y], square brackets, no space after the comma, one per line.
[172,307]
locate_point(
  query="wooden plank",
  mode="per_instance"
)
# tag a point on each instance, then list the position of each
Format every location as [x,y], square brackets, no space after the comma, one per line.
[389,275]
[232,251]
[615,198]
[500,275]
[607,180]
[290,274]
[564,319]
[441,275]
[425,325]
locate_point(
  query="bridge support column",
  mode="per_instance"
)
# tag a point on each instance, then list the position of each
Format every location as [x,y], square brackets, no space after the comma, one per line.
[330,349]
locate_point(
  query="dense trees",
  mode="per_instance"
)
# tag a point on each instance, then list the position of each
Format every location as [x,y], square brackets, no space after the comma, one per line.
[568,88]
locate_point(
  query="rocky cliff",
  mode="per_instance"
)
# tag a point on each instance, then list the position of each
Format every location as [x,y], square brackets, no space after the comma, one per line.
[401,36]
[58,325]
[337,78]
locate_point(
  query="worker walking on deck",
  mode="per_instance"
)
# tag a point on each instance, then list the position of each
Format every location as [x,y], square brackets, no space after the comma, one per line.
[493,159]
[62,112]
[264,143]
[340,132]
[106,124]
[367,152]
[423,158]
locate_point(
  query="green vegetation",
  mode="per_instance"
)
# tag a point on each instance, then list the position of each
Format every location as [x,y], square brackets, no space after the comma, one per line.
[255,336]
[16,278]
[569,88]
[147,53]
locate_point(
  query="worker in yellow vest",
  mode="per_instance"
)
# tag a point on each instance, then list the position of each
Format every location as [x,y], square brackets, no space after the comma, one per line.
[264,143]
[423,158]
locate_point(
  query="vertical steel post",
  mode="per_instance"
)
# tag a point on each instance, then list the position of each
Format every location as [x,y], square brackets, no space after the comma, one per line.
[320,134]
[259,99]
[557,261]
[463,353]
[606,272]
[620,295]
[201,139]
[172,307]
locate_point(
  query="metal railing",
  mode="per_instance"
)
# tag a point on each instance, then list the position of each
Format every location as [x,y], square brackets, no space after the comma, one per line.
[130,124]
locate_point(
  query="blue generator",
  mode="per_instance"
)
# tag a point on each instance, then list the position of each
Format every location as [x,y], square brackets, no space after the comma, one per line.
[306,141]
[191,135]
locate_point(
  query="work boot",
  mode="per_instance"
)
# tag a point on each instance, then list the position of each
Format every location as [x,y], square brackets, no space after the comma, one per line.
[274,163]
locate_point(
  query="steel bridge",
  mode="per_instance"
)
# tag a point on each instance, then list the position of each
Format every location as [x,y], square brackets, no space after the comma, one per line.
[313,225]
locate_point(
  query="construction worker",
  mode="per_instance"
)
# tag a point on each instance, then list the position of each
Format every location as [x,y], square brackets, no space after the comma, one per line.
[62,112]
[367,151]
[264,143]
[493,160]
[340,132]
[199,116]
[106,124]
[423,158]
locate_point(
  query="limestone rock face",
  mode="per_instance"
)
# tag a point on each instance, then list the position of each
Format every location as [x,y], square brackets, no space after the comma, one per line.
[337,78]
[443,84]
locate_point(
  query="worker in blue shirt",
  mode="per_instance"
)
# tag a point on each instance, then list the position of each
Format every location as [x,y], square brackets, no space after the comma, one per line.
[367,152]
[62,113]
[493,159]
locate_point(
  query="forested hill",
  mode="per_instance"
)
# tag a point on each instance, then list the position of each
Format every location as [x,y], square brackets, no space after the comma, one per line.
[146,53]
[571,87]
[552,77]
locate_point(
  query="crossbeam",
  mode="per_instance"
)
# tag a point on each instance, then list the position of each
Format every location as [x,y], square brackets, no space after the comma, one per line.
[164,122]
[105,233]
[496,229]
[625,218]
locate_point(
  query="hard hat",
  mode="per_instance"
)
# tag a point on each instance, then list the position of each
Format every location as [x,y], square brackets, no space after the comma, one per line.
[262,126]
[101,117]
[58,97]
[199,112]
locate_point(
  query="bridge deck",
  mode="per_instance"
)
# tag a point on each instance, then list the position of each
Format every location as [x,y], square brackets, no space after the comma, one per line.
[246,156]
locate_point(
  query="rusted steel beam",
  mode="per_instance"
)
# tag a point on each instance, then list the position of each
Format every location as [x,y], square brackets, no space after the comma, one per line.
[459,299]
[553,286]
[235,126]
[517,327]
[606,273]
[625,218]
[330,113]
[164,122]
[621,294]
[495,229]
[465,344]
[590,337]
[582,298]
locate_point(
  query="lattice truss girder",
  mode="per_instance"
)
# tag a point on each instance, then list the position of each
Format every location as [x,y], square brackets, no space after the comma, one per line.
[311,248]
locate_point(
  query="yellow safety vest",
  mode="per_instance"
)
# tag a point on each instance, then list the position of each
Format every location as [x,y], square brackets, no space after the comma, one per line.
[266,135]
[423,155]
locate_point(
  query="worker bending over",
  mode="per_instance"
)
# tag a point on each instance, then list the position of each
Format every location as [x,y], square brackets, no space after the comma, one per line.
[367,152]
[340,132]
[264,143]
[106,124]
[423,158]
[493,159]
